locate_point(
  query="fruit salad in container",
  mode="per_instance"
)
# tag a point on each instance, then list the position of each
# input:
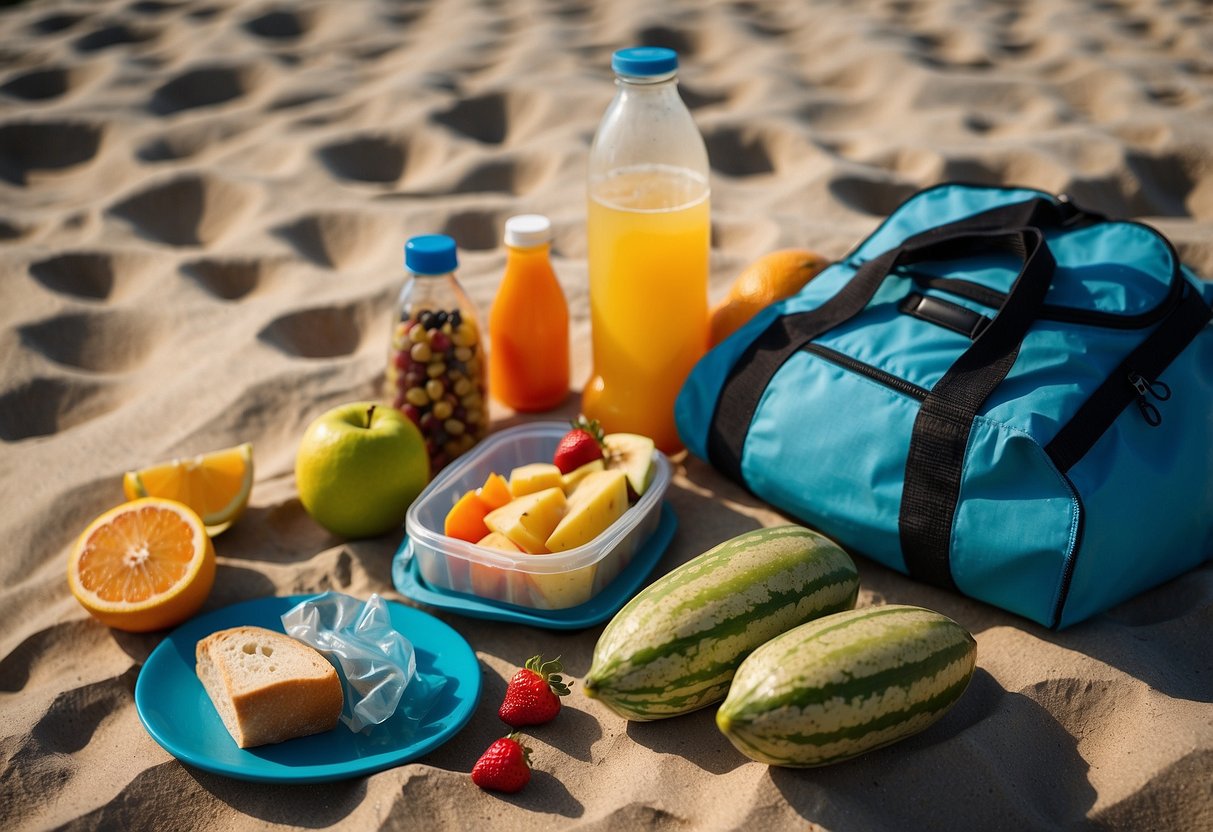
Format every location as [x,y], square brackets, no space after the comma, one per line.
[541,516]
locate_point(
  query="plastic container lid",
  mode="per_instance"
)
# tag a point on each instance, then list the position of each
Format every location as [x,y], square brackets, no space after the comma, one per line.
[528,231]
[430,254]
[643,61]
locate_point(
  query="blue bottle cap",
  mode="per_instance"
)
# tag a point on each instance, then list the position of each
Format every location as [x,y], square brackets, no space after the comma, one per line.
[643,61]
[430,254]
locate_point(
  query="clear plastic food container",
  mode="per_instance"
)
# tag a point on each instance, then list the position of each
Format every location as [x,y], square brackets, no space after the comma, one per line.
[545,582]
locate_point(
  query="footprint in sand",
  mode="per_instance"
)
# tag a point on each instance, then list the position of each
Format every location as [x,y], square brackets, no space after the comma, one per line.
[189,141]
[118,34]
[739,151]
[203,87]
[684,43]
[876,197]
[379,159]
[54,23]
[475,230]
[341,240]
[44,406]
[280,25]
[10,231]
[91,275]
[492,118]
[323,332]
[75,715]
[97,341]
[189,211]
[231,279]
[45,84]
[30,149]
[517,174]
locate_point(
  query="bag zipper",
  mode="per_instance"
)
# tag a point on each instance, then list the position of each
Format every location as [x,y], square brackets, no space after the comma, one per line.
[907,388]
[1156,388]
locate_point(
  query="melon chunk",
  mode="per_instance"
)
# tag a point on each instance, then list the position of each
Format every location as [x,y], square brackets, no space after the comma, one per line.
[527,479]
[498,541]
[573,478]
[599,500]
[561,590]
[528,521]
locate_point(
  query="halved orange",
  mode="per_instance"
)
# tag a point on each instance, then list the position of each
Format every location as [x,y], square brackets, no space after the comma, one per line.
[145,565]
[216,485]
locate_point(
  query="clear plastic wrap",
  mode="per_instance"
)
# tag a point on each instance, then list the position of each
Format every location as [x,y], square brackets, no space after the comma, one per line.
[376,662]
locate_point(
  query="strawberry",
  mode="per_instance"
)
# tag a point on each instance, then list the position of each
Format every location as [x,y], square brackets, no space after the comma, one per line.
[532,696]
[581,445]
[505,766]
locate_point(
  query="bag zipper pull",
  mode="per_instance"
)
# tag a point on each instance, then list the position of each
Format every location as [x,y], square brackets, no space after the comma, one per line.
[1158,389]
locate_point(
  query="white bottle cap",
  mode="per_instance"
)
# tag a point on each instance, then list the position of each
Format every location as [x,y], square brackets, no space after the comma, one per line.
[528,231]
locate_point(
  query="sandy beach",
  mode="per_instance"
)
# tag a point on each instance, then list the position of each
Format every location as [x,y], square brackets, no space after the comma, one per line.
[202,208]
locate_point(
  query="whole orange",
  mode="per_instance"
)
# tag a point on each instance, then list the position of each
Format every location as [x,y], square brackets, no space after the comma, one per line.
[770,278]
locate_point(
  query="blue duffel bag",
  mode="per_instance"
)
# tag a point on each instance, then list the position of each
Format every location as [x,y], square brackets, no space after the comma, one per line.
[997,392]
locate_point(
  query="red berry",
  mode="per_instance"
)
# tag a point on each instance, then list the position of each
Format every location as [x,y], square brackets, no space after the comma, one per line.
[504,767]
[440,341]
[580,446]
[532,696]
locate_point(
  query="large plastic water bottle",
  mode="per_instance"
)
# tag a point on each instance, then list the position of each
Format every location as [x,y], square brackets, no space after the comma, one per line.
[649,232]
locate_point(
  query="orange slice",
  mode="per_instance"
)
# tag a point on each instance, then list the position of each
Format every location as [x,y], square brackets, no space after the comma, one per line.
[145,565]
[216,485]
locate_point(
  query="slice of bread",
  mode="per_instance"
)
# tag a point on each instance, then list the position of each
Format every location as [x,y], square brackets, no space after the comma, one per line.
[267,686]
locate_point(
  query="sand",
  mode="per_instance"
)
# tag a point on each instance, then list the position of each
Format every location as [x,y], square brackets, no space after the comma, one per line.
[202,205]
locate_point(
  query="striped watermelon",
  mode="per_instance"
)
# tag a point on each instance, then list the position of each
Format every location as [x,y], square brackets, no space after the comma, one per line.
[845,684]
[675,646]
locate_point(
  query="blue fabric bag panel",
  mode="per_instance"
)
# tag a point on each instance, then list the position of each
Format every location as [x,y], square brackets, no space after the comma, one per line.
[1147,493]
[997,392]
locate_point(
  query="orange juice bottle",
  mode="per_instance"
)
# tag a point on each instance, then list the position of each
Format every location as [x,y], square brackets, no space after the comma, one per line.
[649,236]
[529,322]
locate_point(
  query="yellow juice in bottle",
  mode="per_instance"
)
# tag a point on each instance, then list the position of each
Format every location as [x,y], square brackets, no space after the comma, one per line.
[649,239]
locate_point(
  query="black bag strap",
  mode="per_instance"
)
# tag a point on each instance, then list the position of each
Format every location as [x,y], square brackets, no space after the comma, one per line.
[742,390]
[934,464]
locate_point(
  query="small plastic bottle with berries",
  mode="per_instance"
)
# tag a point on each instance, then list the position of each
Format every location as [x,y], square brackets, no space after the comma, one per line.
[436,368]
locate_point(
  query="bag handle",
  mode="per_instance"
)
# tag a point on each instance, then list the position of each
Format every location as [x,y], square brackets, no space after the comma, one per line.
[741,391]
[940,437]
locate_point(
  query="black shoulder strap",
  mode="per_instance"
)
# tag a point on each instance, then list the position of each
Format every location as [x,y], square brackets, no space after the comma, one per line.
[942,427]
[748,379]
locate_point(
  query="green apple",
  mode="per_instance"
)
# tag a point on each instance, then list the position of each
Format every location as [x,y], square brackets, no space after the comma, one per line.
[359,467]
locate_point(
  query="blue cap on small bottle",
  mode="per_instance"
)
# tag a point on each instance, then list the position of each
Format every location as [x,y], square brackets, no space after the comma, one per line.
[642,61]
[430,254]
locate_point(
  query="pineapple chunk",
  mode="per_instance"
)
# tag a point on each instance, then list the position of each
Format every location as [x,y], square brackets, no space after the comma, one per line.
[528,521]
[527,479]
[498,541]
[600,500]
[562,590]
[574,477]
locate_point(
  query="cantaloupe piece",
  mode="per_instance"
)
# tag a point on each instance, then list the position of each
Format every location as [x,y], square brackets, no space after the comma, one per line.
[495,492]
[465,520]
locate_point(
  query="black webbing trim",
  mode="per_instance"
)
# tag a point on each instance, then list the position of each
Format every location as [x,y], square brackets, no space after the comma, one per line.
[750,375]
[1151,357]
[935,461]
[741,391]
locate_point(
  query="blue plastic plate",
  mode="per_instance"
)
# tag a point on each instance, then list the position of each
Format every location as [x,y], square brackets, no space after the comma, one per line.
[602,606]
[176,711]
